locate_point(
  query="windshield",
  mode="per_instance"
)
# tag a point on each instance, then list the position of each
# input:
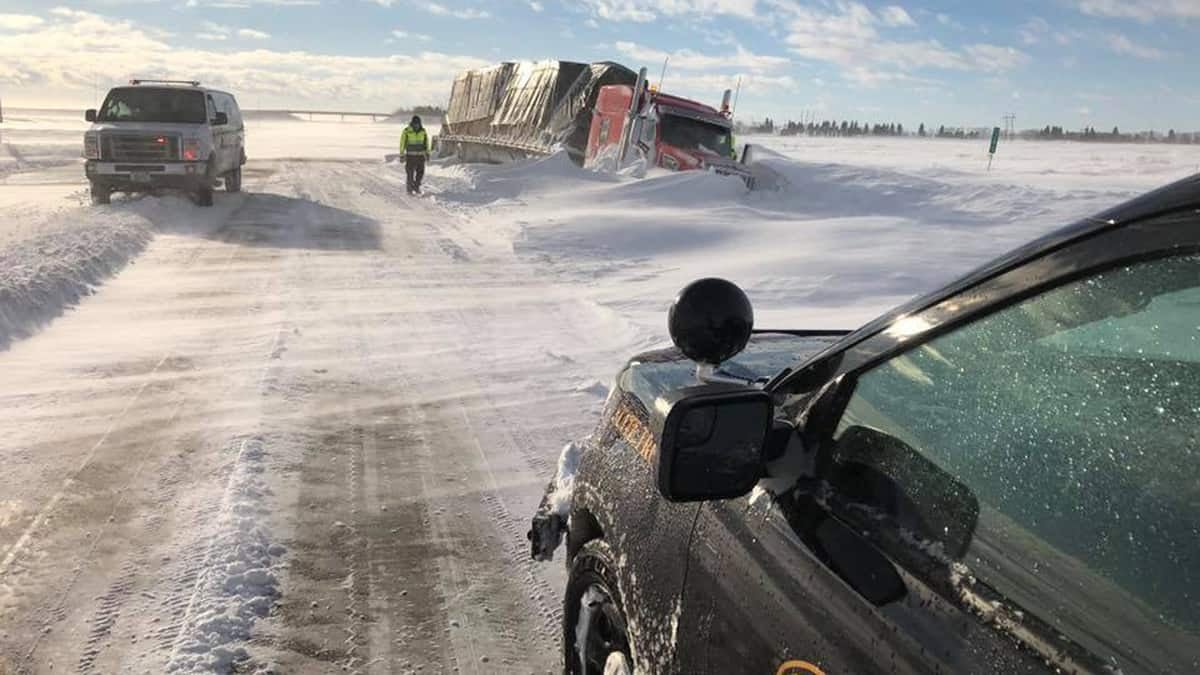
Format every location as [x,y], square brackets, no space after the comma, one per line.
[686,133]
[138,104]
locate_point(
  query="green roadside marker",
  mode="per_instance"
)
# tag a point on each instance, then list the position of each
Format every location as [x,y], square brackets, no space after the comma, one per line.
[992,148]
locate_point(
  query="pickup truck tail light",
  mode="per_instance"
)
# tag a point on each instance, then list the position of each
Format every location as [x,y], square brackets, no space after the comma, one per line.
[191,149]
[91,146]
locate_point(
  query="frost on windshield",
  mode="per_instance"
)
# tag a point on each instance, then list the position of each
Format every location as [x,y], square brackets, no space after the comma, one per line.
[1062,431]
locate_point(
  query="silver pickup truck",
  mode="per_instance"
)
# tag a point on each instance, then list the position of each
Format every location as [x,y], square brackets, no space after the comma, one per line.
[156,134]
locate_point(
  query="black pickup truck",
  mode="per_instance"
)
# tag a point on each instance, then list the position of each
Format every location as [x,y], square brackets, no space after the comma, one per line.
[998,477]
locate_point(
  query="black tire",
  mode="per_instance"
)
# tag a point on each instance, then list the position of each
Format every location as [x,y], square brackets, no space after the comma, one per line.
[204,196]
[101,194]
[233,180]
[593,583]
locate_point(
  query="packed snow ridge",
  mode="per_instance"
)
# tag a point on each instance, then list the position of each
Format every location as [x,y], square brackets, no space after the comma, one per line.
[42,276]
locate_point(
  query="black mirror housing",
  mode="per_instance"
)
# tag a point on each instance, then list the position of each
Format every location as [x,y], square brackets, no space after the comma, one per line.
[712,441]
[220,119]
[90,115]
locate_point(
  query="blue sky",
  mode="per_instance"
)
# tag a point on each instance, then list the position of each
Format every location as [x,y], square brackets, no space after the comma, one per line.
[1130,63]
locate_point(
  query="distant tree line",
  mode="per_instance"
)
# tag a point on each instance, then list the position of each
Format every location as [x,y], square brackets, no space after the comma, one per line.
[840,128]
[1089,134]
[430,110]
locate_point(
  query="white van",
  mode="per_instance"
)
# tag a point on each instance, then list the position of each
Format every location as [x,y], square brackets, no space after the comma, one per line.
[156,134]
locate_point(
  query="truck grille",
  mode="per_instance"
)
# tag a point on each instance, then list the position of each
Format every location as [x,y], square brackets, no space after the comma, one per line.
[140,147]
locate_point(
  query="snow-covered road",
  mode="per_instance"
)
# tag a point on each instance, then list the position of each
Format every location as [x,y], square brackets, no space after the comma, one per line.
[303,430]
[318,394]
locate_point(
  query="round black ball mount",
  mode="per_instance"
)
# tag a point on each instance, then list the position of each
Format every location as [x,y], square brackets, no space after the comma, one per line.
[710,321]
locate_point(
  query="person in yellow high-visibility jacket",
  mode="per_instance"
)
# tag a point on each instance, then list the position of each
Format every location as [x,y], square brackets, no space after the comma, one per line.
[415,146]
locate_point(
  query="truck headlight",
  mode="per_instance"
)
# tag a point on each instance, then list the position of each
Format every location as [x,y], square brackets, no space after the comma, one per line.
[91,146]
[191,149]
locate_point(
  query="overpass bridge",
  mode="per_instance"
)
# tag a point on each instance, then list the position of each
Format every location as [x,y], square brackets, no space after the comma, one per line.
[325,113]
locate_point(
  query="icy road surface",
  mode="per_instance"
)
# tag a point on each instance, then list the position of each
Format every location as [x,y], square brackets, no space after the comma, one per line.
[303,431]
[319,393]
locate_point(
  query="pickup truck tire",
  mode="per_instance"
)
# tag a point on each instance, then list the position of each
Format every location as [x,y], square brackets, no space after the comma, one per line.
[101,194]
[233,180]
[595,632]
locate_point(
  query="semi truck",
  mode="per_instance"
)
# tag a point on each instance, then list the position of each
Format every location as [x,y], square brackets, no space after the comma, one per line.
[604,115]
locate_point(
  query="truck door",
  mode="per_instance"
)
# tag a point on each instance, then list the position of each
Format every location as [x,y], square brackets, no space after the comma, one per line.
[1013,474]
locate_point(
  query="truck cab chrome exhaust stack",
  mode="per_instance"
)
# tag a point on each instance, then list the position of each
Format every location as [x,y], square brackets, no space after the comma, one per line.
[627,134]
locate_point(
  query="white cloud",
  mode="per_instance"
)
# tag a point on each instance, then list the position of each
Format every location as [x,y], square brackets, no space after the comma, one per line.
[994,58]
[894,15]
[1033,31]
[439,9]
[686,59]
[645,11]
[1141,10]
[216,32]
[20,21]
[947,20]
[536,6]
[246,4]
[1119,44]
[850,37]
[405,35]
[62,59]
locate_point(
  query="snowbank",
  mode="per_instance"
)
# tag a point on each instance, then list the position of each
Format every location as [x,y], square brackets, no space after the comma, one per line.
[41,277]
[70,253]
[853,229]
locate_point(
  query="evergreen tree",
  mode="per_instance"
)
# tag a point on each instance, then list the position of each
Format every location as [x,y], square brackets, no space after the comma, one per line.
[921,130]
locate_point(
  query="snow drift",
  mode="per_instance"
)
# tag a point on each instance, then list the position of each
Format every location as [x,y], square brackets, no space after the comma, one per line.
[41,277]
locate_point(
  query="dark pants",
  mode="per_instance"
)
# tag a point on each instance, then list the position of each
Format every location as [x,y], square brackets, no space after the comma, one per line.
[414,167]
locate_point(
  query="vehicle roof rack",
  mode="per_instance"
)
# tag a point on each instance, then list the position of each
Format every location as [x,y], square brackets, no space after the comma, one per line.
[194,83]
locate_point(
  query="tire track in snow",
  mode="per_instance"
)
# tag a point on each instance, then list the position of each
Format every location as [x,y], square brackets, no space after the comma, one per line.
[40,518]
[54,610]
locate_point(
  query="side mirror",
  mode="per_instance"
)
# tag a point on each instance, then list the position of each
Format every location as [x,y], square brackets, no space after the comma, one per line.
[220,119]
[712,441]
[710,321]
[90,115]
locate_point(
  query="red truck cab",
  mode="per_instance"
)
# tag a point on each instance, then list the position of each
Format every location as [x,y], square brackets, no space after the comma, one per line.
[671,132]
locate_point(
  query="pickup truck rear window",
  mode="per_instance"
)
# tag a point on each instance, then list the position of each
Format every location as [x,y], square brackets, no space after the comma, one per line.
[154,105]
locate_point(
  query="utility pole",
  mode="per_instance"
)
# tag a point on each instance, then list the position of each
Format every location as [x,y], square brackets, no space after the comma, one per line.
[1010,126]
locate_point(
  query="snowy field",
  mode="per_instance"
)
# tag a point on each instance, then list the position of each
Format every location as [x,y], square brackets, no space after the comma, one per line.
[303,430]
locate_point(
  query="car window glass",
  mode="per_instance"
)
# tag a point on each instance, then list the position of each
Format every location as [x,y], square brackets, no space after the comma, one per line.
[1052,449]
[235,113]
[153,105]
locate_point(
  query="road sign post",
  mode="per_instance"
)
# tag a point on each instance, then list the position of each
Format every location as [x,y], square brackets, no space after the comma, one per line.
[992,148]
